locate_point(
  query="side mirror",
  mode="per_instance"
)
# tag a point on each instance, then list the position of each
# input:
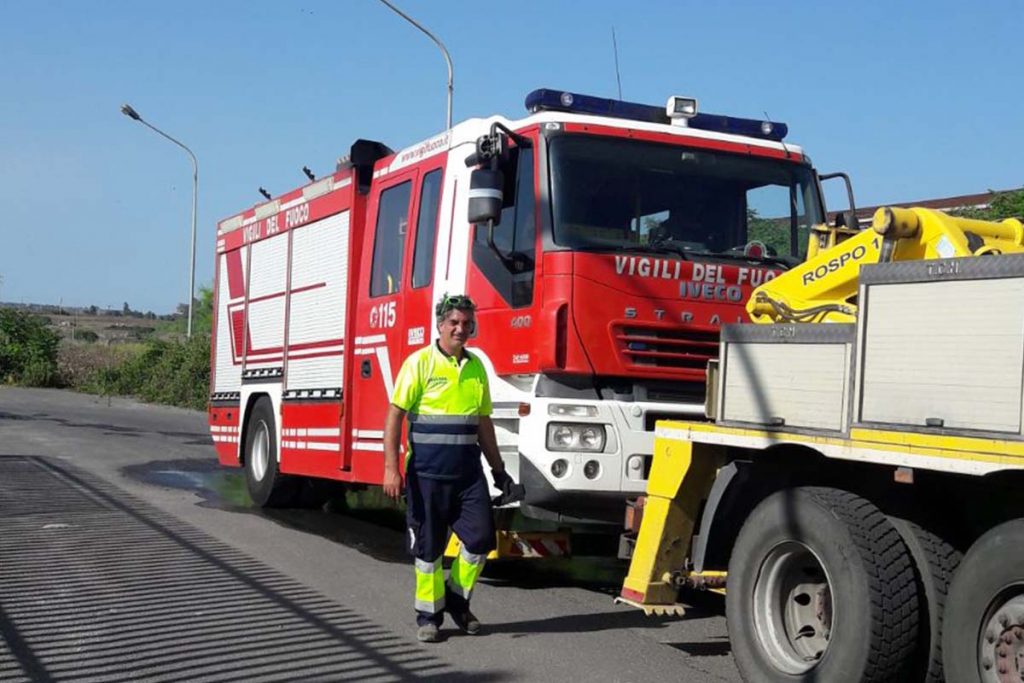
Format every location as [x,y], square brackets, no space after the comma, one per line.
[848,219]
[486,196]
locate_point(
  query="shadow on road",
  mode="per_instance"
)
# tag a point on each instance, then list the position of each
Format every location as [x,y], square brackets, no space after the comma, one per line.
[191,438]
[719,648]
[582,623]
[97,585]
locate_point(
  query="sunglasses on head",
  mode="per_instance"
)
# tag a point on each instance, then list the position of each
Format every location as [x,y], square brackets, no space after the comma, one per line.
[458,300]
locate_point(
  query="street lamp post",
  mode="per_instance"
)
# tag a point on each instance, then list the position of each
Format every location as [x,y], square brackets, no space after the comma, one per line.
[132,114]
[444,51]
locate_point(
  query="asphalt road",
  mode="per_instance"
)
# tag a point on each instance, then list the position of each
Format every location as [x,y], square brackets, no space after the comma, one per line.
[126,553]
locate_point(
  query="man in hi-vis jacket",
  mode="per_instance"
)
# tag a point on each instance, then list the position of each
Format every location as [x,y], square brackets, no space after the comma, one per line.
[442,389]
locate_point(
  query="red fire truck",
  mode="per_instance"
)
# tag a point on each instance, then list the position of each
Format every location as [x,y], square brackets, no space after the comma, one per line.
[603,241]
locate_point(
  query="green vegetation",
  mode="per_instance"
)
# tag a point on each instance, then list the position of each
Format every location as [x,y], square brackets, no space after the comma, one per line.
[202,321]
[171,372]
[28,349]
[1003,205]
[161,366]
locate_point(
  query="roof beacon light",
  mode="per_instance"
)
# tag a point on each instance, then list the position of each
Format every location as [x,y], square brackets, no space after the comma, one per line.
[679,110]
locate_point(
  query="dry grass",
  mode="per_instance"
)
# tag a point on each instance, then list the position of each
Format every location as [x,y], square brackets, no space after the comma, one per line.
[79,363]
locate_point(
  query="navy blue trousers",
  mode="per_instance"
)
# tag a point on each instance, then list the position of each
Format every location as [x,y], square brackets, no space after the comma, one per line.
[433,507]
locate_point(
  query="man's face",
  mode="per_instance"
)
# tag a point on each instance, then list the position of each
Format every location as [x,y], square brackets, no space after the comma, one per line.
[456,328]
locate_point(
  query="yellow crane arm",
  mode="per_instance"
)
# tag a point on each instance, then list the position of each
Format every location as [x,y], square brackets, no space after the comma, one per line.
[824,287]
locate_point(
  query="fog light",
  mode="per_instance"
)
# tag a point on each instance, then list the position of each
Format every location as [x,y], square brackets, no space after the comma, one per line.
[592,470]
[559,468]
[635,463]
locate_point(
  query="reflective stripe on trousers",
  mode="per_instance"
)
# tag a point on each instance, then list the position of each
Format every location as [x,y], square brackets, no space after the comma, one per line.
[429,586]
[465,571]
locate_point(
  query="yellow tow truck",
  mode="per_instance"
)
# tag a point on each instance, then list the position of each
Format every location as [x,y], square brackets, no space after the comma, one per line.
[858,490]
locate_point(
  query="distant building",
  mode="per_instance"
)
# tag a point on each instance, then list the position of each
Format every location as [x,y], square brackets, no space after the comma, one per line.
[963,201]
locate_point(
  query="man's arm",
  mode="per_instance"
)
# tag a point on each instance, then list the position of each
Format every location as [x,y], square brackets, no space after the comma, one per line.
[489,444]
[392,437]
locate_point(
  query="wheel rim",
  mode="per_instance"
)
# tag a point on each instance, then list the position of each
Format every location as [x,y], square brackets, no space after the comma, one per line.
[259,458]
[1001,641]
[793,610]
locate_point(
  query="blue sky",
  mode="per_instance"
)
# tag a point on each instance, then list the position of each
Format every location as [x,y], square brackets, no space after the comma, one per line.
[913,99]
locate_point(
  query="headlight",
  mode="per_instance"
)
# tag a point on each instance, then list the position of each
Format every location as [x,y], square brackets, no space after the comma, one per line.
[561,438]
[576,437]
[592,438]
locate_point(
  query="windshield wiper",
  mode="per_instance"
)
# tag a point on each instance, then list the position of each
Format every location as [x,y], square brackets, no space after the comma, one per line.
[669,246]
[659,248]
[777,260]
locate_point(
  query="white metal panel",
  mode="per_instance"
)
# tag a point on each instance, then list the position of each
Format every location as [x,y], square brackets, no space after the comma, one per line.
[950,350]
[319,287]
[453,230]
[227,369]
[804,384]
[269,267]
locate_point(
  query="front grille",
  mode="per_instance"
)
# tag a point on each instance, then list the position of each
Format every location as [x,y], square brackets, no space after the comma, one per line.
[668,348]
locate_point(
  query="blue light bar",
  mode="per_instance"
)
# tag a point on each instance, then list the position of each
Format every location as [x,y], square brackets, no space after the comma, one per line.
[558,100]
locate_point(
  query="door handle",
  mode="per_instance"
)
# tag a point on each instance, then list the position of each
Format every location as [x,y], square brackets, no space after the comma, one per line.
[365,369]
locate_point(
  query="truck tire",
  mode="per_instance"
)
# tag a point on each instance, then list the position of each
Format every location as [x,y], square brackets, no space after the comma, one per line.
[807,554]
[267,486]
[984,635]
[935,563]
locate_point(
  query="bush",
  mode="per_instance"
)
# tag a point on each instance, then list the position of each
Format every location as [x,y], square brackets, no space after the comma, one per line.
[28,349]
[170,372]
[78,364]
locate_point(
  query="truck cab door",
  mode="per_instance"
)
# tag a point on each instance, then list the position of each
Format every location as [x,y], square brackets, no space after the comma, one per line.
[379,342]
[422,261]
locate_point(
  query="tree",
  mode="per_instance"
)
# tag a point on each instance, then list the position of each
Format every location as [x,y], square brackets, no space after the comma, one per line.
[203,311]
[773,232]
[28,349]
[1003,205]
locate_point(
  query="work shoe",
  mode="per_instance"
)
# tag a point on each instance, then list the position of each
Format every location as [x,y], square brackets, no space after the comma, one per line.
[428,633]
[466,622]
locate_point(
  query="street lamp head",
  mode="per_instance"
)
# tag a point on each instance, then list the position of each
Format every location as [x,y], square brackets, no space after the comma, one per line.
[127,110]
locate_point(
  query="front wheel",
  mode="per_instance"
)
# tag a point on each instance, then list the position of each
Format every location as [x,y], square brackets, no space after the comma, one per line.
[821,588]
[984,635]
[267,486]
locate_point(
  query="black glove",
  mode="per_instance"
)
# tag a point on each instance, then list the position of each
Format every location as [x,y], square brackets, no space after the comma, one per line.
[511,492]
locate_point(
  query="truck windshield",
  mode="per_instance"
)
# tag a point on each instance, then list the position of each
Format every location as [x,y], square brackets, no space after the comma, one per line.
[610,194]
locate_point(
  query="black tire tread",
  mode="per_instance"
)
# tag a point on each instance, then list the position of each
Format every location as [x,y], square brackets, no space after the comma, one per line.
[284,488]
[893,589]
[942,560]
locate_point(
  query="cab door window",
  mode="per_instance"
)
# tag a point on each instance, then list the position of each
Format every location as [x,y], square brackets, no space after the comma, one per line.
[426,229]
[389,239]
[511,272]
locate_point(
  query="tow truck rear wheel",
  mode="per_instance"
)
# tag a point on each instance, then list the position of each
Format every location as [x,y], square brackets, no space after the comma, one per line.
[267,486]
[984,635]
[821,588]
[935,563]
